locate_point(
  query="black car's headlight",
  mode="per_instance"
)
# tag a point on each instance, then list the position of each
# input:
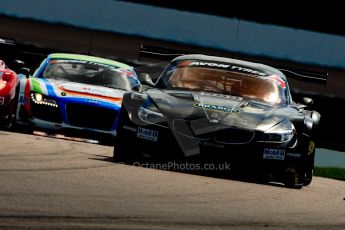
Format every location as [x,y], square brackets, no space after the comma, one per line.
[280,133]
[41,99]
[278,137]
[150,116]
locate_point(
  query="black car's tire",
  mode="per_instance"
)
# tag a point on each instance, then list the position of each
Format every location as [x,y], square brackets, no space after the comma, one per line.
[309,169]
[302,175]
[124,152]
[293,181]
[293,178]
[117,154]
[109,141]
[308,177]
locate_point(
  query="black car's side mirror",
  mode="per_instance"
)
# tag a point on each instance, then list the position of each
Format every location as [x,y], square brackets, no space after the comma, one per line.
[17,65]
[145,79]
[308,101]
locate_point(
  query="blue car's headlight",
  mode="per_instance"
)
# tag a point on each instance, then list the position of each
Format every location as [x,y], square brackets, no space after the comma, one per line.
[41,99]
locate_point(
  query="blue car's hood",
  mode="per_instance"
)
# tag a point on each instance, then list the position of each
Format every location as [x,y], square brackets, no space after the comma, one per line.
[73,90]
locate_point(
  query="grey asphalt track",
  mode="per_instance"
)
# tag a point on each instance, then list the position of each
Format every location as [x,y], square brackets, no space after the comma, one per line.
[49,183]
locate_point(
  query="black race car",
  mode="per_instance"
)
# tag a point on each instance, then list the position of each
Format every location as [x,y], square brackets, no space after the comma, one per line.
[213,109]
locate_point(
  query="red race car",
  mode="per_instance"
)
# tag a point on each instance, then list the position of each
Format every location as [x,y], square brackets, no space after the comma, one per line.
[9,85]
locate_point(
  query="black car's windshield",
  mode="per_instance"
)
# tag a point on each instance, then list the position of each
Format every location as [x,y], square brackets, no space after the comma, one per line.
[88,73]
[245,83]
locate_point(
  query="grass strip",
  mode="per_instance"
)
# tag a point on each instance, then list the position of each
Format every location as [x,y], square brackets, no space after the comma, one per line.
[330,172]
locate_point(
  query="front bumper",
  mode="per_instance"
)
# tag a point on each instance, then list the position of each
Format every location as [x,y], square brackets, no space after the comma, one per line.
[73,118]
[162,144]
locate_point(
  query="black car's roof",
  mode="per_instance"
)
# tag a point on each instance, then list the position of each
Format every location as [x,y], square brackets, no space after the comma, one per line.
[251,65]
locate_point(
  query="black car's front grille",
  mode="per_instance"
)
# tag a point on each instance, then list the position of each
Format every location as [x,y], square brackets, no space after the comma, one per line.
[228,135]
[91,116]
[46,112]
[204,130]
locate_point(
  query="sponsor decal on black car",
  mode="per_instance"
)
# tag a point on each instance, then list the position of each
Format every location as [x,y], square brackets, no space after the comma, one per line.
[294,155]
[210,64]
[210,144]
[147,134]
[274,154]
[216,108]
[132,129]
[223,66]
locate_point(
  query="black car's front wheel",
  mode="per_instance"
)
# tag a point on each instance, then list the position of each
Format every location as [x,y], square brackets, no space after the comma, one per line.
[293,179]
[124,151]
[301,174]
[309,168]
[308,177]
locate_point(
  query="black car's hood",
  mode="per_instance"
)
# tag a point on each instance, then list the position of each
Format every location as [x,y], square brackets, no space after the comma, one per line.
[218,109]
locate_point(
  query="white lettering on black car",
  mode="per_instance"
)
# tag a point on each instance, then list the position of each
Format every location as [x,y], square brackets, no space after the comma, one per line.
[132,129]
[209,64]
[226,66]
[243,69]
[295,155]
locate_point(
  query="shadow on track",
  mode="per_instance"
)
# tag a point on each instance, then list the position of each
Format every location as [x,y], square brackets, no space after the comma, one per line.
[248,176]
[78,136]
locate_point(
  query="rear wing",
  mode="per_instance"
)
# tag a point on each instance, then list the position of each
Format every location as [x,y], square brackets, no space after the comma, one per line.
[10,44]
[7,41]
[305,75]
[166,54]
[31,55]
[159,53]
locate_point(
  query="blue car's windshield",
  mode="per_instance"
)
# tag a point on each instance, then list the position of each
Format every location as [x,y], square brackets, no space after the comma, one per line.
[90,73]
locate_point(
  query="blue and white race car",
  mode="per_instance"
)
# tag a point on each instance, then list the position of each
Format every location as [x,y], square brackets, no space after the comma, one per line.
[70,92]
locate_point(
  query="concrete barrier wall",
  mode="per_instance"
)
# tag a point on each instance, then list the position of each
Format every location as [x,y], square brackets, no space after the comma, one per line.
[187,28]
